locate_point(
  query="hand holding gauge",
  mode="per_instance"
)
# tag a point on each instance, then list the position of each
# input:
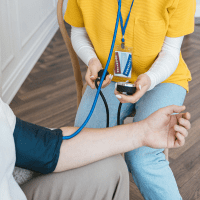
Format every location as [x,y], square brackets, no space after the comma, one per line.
[141,85]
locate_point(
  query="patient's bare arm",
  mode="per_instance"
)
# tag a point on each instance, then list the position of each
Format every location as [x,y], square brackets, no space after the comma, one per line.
[159,130]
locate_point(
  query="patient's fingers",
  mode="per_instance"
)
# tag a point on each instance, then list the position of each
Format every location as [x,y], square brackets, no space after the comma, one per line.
[181,130]
[180,141]
[186,115]
[185,123]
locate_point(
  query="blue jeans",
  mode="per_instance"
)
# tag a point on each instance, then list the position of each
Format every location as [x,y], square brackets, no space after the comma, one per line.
[149,168]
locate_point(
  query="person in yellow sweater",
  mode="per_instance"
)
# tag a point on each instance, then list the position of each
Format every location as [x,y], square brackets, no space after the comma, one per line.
[150,37]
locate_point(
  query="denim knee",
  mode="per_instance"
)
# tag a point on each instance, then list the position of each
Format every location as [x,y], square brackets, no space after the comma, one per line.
[141,159]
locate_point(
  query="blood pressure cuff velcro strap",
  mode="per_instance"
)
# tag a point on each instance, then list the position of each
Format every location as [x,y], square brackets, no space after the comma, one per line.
[37,148]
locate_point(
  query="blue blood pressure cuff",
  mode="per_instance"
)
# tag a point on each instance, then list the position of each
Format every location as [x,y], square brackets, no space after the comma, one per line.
[37,148]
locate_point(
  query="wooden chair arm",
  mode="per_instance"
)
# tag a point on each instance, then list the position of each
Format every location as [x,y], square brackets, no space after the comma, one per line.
[74,58]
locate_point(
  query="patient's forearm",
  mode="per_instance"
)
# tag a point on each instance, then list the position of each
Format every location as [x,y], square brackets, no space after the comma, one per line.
[91,145]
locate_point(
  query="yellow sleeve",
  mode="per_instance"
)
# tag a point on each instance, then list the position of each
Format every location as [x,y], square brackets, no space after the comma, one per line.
[73,14]
[181,18]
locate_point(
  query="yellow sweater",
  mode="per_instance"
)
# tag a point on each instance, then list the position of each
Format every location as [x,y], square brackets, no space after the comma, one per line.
[149,23]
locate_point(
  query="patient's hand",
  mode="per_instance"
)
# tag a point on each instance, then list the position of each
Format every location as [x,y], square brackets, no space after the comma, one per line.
[164,130]
[159,130]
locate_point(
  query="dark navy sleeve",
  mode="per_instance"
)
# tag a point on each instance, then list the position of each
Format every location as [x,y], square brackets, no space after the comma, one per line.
[37,147]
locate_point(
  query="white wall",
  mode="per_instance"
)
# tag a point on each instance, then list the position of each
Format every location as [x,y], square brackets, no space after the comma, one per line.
[26,28]
[197,14]
[0,72]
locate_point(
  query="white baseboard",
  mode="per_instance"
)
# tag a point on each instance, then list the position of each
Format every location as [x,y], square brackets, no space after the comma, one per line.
[16,79]
[197,20]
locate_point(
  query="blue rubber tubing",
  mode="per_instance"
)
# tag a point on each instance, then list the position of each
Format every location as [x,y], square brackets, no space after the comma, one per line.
[102,78]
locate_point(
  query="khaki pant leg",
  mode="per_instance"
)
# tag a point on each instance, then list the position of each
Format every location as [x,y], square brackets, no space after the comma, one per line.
[103,180]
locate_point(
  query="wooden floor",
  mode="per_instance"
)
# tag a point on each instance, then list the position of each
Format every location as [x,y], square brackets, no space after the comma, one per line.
[48,98]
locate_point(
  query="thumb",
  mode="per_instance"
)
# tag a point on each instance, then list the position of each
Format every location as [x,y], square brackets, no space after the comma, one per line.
[173,109]
[139,83]
[93,74]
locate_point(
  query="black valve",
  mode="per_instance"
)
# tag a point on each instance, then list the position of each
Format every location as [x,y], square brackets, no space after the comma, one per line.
[100,74]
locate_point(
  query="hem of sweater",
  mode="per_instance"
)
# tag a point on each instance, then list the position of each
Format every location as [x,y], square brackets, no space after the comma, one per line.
[71,22]
[174,34]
